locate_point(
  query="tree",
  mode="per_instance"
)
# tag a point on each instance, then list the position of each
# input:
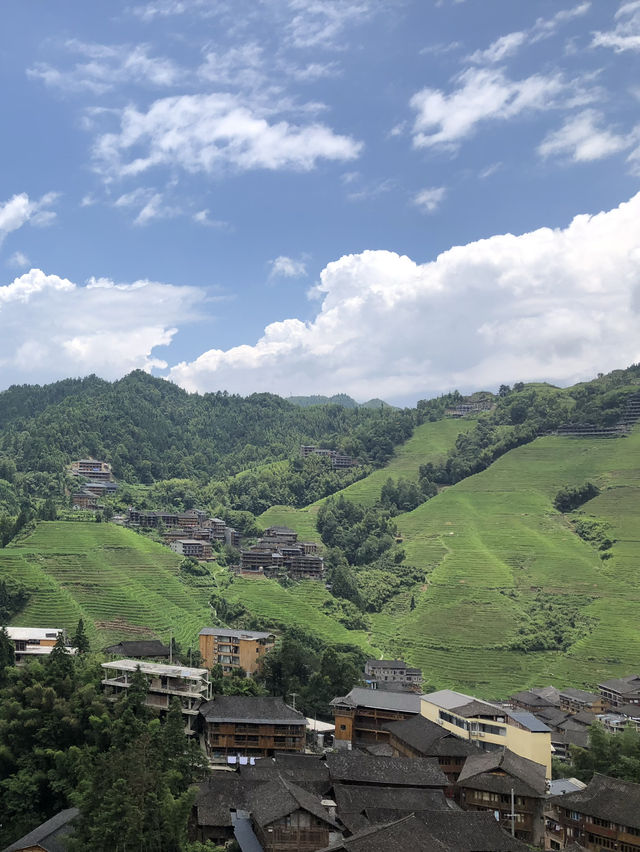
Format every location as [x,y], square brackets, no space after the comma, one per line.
[7,653]
[80,639]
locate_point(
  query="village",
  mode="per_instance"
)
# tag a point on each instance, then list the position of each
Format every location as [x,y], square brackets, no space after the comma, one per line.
[395,765]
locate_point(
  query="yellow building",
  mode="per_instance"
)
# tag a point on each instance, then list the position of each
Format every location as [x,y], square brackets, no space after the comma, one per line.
[490,726]
[234,649]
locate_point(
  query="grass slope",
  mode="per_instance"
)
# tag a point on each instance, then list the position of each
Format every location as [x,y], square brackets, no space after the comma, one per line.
[126,586]
[490,543]
[429,442]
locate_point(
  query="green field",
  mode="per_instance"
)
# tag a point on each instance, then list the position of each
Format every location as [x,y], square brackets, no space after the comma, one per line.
[126,586]
[491,542]
[429,442]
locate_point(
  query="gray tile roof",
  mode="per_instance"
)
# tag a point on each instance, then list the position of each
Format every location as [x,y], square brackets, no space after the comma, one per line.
[606,798]
[248,708]
[623,685]
[142,648]
[358,768]
[360,806]
[498,772]
[219,794]
[50,835]
[232,634]
[279,798]
[431,739]
[305,770]
[403,702]
[579,695]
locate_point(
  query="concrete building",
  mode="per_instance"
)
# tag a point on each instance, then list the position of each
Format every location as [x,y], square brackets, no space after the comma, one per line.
[33,642]
[94,469]
[392,674]
[190,686]
[234,649]
[191,547]
[491,726]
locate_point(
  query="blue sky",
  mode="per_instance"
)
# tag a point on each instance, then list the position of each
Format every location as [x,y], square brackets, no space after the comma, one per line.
[382,197]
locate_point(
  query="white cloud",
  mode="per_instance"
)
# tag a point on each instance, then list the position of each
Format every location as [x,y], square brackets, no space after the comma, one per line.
[320,23]
[546,27]
[20,210]
[626,33]
[168,8]
[501,48]
[52,328]
[18,260]
[203,217]
[150,204]
[213,133]
[559,305]
[428,200]
[287,267]
[106,66]
[482,94]
[583,139]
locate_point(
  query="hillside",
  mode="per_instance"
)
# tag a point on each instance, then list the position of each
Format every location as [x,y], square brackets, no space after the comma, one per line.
[493,543]
[429,442]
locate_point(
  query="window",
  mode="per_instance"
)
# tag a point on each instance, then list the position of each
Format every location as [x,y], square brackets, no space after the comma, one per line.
[343,727]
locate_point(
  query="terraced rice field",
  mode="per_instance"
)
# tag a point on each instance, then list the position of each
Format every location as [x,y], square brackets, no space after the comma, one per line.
[429,442]
[122,584]
[491,542]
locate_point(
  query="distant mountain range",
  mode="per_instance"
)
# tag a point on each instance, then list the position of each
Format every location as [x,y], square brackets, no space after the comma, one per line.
[342,399]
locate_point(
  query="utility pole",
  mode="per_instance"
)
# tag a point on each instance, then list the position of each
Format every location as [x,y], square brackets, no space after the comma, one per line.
[512,815]
[294,695]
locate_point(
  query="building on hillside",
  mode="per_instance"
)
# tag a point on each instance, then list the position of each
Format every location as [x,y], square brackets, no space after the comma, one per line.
[30,642]
[101,489]
[464,409]
[217,527]
[145,648]
[84,500]
[363,715]
[622,690]
[497,780]
[192,547]
[93,469]
[268,559]
[251,726]
[616,721]
[491,726]
[231,537]
[190,686]
[420,737]
[48,837]
[339,461]
[604,815]
[392,674]
[234,649]
[280,535]
[535,700]
[577,700]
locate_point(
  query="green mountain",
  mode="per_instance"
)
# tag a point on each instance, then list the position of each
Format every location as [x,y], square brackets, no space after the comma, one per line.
[341,399]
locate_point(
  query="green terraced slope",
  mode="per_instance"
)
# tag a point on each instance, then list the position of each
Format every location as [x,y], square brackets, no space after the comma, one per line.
[490,543]
[126,586]
[429,442]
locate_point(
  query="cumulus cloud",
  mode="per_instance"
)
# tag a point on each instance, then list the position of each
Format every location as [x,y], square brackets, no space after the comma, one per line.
[213,133]
[287,267]
[625,35]
[558,305]
[482,94]
[20,210]
[52,328]
[428,200]
[582,138]
[105,66]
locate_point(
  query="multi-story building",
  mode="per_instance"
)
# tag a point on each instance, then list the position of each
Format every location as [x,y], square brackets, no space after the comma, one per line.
[98,471]
[190,686]
[604,815]
[363,715]
[339,461]
[622,690]
[509,786]
[392,674]
[30,642]
[419,737]
[268,557]
[84,500]
[491,726]
[252,726]
[234,649]
[192,547]
[577,700]
[231,537]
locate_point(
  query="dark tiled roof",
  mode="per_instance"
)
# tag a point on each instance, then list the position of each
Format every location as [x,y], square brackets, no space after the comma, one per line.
[623,685]
[50,835]
[249,708]
[476,708]
[463,831]
[531,699]
[221,793]
[403,702]
[431,739]
[305,770]
[553,717]
[579,695]
[498,772]
[577,738]
[360,806]
[279,798]
[358,768]
[143,648]
[605,798]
